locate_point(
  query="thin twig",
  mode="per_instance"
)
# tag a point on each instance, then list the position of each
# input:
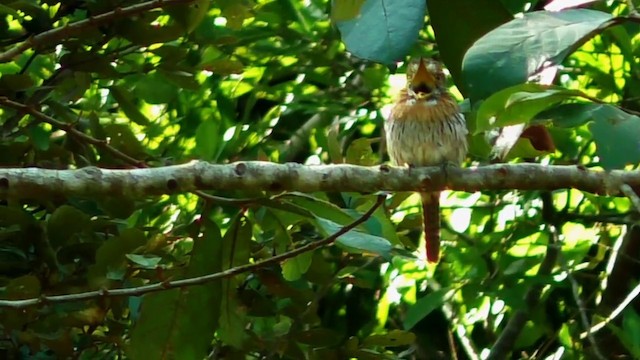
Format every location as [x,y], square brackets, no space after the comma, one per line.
[53,36]
[166,285]
[617,311]
[633,197]
[72,131]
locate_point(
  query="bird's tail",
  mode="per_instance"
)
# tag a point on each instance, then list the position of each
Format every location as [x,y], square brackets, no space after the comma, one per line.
[431,222]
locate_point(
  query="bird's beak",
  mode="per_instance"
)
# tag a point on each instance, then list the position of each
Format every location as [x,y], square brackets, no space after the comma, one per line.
[423,82]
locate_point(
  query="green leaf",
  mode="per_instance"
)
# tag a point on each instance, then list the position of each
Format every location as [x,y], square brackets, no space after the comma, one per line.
[180,323]
[64,225]
[122,138]
[236,251]
[319,337]
[614,131]
[342,10]
[570,115]
[617,137]
[355,241]
[235,12]
[392,338]
[40,137]
[88,62]
[125,100]
[457,24]
[190,15]
[111,257]
[118,206]
[207,139]
[424,306]
[360,152]
[23,287]
[294,268]
[182,79]
[144,261]
[15,82]
[631,327]
[385,31]
[513,52]
[320,208]
[155,89]
[519,104]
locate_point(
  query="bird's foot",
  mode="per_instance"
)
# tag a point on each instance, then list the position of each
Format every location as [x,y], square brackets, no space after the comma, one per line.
[446,165]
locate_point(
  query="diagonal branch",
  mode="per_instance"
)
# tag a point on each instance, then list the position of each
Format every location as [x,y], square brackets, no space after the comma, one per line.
[140,290]
[69,129]
[54,36]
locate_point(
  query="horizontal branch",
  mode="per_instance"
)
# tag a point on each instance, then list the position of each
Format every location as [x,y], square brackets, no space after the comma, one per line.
[25,183]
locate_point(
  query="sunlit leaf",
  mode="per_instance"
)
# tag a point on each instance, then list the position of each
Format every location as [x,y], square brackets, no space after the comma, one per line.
[522,47]
[125,100]
[519,104]
[342,10]
[295,267]
[392,338]
[424,306]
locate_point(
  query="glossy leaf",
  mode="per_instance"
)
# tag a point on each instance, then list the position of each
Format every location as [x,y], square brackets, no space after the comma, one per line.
[457,24]
[385,31]
[616,134]
[519,104]
[513,52]
[356,241]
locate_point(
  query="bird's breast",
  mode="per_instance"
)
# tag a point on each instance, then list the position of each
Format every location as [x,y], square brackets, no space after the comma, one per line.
[420,134]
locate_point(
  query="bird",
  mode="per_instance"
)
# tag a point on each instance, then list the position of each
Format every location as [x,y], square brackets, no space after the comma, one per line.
[426,128]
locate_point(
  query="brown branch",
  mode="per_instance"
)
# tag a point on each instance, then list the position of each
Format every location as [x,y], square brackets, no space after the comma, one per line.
[166,285]
[69,129]
[53,36]
[34,183]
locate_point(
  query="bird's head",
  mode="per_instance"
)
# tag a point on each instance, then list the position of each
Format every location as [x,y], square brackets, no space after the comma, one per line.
[425,79]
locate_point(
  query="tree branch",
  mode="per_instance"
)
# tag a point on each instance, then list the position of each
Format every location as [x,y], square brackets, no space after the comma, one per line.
[166,285]
[53,36]
[34,183]
[70,130]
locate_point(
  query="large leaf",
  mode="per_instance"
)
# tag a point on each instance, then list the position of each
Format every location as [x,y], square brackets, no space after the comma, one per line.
[235,252]
[510,54]
[385,31]
[519,104]
[616,133]
[356,241]
[617,137]
[457,24]
[180,323]
[424,306]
